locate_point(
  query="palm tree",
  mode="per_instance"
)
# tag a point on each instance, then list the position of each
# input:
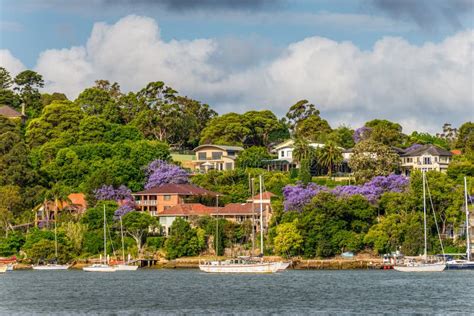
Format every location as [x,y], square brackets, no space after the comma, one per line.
[329,156]
[302,150]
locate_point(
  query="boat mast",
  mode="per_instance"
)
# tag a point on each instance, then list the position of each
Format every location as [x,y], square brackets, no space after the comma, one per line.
[217,225]
[468,238]
[55,238]
[253,216]
[261,217]
[123,244]
[105,240]
[424,215]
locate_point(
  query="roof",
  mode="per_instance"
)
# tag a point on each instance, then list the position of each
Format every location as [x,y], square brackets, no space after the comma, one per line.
[223,147]
[431,149]
[265,196]
[9,112]
[286,143]
[179,189]
[188,209]
[78,199]
[239,209]
[456,152]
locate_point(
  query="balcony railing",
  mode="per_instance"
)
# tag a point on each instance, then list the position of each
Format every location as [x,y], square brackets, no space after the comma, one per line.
[146,202]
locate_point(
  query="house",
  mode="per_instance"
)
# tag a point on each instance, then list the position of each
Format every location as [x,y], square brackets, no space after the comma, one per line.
[427,157]
[45,212]
[185,211]
[235,212]
[158,199]
[13,114]
[215,157]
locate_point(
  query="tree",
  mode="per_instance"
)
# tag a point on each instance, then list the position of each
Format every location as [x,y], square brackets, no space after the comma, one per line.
[305,171]
[182,241]
[228,129]
[370,159]
[305,122]
[288,240]
[261,125]
[160,172]
[10,200]
[302,150]
[342,136]
[5,79]
[386,132]
[27,84]
[47,99]
[252,157]
[137,225]
[329,156]
[465,139]
[425,138]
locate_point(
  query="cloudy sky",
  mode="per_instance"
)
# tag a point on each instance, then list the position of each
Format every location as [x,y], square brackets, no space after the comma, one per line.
[410,61]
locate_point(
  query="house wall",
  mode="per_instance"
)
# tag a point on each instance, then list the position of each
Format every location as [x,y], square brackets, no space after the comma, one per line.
[155,204]
[226,161]
[425,162]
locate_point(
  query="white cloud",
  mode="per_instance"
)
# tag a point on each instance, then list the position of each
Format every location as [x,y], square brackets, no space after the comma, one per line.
[420,87]
[10,62]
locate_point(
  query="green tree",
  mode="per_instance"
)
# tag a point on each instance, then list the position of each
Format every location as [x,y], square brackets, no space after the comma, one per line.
[425,138]
[386,132]
[465,140]
[10,200]
[5,79]
[182,241]
[228,129]
[288,241]
[253,157]
[305,122]
[371,158]
[329,156]
[305,171]
[27,84]
[342,136]
[138,225]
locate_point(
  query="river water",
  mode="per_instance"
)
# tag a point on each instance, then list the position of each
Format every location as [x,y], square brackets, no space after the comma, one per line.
[193,292]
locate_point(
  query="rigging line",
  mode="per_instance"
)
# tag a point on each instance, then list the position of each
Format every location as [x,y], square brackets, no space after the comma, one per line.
[111,240]
[434,215]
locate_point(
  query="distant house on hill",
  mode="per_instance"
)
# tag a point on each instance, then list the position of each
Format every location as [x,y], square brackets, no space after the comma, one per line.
[12,114]
[427,157]
[215,157]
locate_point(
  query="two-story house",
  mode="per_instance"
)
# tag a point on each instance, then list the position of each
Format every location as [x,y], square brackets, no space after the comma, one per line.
[158,199]
[427,157]
[13,114]
[215,157]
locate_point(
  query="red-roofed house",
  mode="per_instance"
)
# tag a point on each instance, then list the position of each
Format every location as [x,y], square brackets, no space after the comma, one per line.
[77,204]
[158,199]
[184,211]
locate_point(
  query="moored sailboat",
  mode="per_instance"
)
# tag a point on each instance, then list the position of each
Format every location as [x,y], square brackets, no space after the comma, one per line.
[244,265]
[424,266]
[102,267]
[125,266]
[467,264]
[55,265]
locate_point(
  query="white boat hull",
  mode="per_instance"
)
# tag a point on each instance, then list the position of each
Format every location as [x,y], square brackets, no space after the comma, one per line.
[99,268]
[125,267]
[240,268]
[3,269]
[282,265]
[436,267]
[51,267]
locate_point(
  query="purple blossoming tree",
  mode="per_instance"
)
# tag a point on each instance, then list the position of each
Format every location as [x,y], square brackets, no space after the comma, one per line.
[108,192]
[298,196]
[160,172]
[127,207]
[361,133]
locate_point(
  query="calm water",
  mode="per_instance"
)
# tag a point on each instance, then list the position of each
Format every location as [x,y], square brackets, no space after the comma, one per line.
[193,292]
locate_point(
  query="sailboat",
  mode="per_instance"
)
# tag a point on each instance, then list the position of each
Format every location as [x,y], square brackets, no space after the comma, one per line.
[3,268]
[53,266]
[102,267]
[463,264]
[125,266]
[424,266]
[242,265]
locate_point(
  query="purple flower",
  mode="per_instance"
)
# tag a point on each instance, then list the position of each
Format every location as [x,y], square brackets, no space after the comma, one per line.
[107,192]
[298,196]
[361,133]
[127,207]
[160,172]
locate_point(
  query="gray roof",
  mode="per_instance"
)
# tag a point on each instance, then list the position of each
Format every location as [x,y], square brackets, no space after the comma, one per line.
[431,149]
[9,112]
[223,147]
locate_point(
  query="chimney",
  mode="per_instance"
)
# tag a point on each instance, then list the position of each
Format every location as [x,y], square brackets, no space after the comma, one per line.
[23,109]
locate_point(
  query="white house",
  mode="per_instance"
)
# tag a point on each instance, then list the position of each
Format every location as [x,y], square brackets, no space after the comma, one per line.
[427,157]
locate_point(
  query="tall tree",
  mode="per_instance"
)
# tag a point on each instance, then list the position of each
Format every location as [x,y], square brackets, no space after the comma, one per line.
[329,156]
[228,129]
[27,84]
[465,139]
[5,79]
[305,122]
[138,225]
[386,132]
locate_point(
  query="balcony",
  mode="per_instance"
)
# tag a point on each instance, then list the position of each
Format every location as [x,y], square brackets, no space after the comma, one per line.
[146,202]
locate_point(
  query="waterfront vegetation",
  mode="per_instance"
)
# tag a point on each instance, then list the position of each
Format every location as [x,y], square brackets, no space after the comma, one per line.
[107,144]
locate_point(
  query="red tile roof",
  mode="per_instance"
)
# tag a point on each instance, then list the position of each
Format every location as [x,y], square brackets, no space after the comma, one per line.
[9,112]
[179,189]
[456,152]
[239,209]
[188,209]
[265,196]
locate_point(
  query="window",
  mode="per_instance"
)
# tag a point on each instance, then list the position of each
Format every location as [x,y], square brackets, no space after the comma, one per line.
[167,197]
[166,207]
[202,156]
[427,160]
[228,166]
[230,153]
[216,155]
[282,153]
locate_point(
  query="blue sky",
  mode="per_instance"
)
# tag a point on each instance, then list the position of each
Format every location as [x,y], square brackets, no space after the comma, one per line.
[255,39]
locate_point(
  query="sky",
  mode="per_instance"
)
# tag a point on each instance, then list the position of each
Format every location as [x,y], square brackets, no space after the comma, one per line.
[408,61]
